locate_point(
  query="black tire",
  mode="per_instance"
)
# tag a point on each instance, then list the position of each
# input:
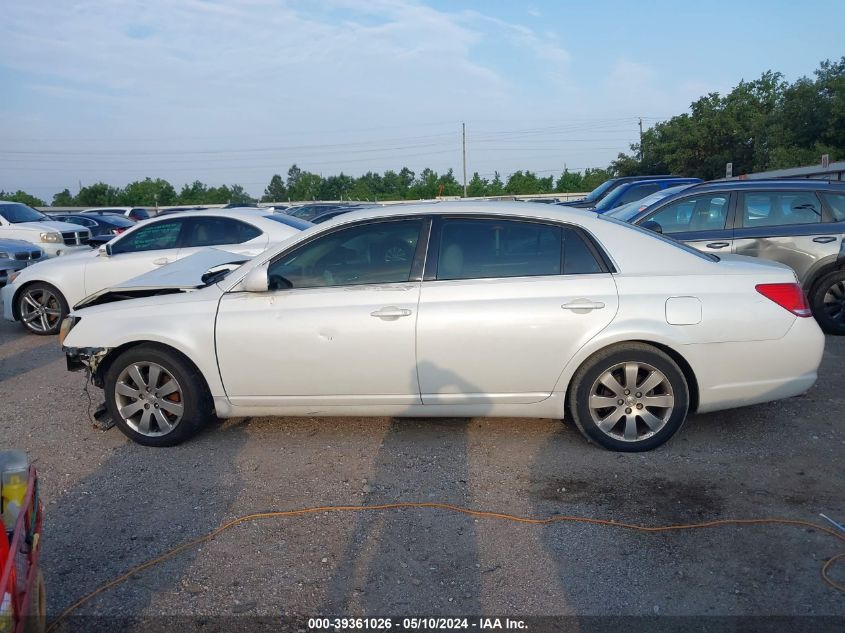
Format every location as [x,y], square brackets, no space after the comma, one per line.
[616,360]
[827,301]
[193,396]
[39,292]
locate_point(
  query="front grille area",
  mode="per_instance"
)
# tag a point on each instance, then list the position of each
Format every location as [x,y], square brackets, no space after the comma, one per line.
[76,238]
[22,257]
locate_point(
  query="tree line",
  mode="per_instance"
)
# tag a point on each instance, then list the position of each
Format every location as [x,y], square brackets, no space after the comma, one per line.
[304,185]
[759,125]
[767,123]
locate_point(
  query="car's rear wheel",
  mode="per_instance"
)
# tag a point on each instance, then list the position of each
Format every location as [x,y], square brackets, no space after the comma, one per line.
[630,397]
[41,308]
[827,301]
[155,396]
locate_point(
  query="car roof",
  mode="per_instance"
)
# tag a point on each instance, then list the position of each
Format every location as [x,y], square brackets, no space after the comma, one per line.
[773,183]
[467,207]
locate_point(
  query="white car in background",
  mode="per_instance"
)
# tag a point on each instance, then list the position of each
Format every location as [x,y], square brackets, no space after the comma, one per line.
[458,310]
[41,295]
[136,214]
[21,222]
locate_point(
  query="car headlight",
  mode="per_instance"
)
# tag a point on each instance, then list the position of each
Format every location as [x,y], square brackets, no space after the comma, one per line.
[52,238]
[66,327]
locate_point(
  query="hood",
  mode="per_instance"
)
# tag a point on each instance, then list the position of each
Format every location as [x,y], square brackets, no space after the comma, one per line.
[48,225]
[187,274]
[17,246]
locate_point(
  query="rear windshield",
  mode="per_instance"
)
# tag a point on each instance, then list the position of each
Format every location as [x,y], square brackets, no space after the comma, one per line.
[289,220]
[659,236]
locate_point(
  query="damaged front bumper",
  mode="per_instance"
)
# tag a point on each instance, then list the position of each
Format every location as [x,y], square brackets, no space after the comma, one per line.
[87,358]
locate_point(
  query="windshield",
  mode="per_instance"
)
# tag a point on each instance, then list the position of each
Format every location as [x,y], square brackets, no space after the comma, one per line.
[662,238]
[598,192]
[15,212]
[629,211]
[289,220]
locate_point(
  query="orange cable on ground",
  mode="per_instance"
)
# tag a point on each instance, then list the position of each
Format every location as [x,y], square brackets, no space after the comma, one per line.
[459,509]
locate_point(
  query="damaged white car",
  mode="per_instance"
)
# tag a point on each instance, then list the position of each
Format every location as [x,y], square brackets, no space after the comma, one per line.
[456,309]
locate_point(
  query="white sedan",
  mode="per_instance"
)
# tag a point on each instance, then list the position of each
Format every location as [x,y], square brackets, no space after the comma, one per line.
[40,296]
[456,309]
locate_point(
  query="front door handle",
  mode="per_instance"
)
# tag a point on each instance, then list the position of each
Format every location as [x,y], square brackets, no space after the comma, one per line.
[390,312]
[583,304]
[718,244]
[161,261]
[824,239]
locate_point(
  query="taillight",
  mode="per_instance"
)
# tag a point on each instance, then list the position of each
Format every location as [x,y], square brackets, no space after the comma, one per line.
[118,230]
[787,296]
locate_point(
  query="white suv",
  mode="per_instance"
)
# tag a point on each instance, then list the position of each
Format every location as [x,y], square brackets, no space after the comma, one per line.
[21,222]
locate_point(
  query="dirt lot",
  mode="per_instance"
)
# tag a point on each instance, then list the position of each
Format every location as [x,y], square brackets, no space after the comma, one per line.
[111,504]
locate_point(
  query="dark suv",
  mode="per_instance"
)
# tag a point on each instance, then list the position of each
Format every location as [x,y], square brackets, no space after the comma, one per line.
[800,223]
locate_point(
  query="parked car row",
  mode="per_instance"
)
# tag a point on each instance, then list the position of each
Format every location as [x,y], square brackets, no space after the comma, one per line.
[41,296]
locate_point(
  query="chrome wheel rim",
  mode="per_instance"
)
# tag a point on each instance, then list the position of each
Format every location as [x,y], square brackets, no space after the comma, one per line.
[834,301]
[40,310]
[149,399]
[631,401]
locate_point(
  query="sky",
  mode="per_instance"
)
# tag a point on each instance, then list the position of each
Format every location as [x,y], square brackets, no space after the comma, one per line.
[235,91]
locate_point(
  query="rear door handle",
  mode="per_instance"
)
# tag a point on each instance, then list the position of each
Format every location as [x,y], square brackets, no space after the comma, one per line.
[825,239]
[583,304]
[161,261]
[390,312]
[718,244]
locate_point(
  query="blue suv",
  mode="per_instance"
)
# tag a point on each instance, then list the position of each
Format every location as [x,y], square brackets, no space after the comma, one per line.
[800,223]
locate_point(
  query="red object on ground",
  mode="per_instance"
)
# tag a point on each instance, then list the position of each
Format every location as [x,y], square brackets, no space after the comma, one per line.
[19,574]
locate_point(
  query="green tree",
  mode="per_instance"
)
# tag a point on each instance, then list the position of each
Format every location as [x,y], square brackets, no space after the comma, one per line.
[569,182]
[238,195]
[148,193]
[63,199]
[21,196]
[195,193]
[477,186]
[99,195]
[276,190]
[497,187]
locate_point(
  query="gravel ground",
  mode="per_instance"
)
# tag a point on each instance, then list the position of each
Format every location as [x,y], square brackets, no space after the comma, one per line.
[111,504]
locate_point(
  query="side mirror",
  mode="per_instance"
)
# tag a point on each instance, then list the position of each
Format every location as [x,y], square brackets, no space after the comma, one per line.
[651,225]
[257,280]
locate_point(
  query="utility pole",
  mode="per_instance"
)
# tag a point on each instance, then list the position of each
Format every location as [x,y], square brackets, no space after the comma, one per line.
[641,140]
[464,136]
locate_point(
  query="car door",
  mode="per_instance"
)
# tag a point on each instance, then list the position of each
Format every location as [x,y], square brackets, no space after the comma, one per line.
[135,253]
[226,233]
[337,325]
[504,305]
[704,221]
[785,226]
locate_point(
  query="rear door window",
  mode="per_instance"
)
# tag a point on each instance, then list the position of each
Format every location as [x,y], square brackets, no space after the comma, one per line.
[779,208]
[705,212]
[479,249]
[208,231]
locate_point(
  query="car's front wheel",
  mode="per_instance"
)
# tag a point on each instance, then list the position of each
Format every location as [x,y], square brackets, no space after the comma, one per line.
[41,308]
[827,301]
[155,396]
[631,397]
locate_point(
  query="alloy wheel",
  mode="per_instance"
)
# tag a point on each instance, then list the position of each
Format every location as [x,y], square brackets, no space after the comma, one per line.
[149,399]
[834,301]
[40,310]
[631,401]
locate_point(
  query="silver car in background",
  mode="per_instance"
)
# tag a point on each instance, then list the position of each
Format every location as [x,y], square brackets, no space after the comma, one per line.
[16,255]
